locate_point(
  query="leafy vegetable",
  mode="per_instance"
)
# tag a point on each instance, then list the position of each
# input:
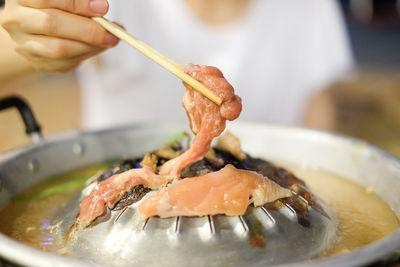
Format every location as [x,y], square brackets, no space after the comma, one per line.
[69,186]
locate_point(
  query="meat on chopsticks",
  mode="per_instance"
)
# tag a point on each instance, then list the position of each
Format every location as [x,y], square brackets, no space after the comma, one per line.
[207,120]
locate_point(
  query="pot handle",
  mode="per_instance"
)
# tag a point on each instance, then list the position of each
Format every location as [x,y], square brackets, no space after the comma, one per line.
[31,125]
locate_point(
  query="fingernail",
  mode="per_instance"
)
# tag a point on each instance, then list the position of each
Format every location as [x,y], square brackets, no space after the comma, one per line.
[99,6]
[111,39]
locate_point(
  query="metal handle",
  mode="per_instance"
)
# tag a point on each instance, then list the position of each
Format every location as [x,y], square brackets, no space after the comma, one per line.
[31,125]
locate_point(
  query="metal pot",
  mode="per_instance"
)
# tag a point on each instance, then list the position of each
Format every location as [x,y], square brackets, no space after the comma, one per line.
[356,160]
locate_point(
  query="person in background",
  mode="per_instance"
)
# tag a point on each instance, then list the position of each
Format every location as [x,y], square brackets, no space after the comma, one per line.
[278,55]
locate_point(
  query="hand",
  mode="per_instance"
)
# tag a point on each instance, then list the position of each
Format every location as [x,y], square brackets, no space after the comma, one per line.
[56,35]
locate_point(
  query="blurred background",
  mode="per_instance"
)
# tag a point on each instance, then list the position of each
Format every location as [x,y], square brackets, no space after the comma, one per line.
[367,104]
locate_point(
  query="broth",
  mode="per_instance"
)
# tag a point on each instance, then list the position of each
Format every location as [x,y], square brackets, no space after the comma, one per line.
[27,217]
[364,217]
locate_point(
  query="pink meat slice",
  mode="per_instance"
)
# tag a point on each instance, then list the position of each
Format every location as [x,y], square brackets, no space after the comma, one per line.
[207,119]
[228,191]
[111,190]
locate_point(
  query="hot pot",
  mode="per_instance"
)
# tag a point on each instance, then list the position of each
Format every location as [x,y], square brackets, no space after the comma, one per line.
[354,159]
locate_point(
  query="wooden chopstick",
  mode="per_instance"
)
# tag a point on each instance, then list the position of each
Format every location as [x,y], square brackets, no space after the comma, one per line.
[157,57]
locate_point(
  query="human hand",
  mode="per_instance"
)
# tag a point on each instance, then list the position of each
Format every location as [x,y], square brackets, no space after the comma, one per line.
[56,35]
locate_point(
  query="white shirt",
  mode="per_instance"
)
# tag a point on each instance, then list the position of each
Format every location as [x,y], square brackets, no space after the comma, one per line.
[276,57]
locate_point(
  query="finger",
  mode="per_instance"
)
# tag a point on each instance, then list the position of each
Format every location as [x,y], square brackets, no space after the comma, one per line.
[89,8]
[57,23]
[80,59]
[54,48]
[61,66]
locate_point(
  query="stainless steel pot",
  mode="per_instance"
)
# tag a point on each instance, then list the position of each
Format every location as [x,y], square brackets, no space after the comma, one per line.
[350,158]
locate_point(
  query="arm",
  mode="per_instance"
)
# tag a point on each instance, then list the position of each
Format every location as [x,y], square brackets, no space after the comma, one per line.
[54,35]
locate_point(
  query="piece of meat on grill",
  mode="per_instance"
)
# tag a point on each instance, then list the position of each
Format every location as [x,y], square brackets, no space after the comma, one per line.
[111,190]
[228,191]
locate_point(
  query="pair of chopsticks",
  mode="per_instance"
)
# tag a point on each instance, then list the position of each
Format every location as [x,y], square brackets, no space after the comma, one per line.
[157,57]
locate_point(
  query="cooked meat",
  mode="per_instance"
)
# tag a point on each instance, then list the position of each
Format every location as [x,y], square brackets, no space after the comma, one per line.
[230,143]
[136,194]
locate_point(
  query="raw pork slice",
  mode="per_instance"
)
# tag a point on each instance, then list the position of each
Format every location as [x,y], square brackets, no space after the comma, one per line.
[228,191]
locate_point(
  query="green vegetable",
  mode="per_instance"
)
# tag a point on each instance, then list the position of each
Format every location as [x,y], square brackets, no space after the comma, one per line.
[53,190]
